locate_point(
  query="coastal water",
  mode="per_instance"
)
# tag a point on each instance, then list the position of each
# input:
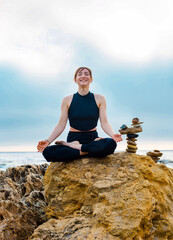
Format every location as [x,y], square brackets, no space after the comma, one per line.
[13,159]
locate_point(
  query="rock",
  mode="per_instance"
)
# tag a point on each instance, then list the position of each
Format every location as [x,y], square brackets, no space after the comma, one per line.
[137,126]
[123,127]
[131,150]
[132,147]
[135,120]
[22,201]
[131,130]
[131,139]
[155,159]
[133,124]
[131,143]
[75,227]
[154,154]
[132,136]
[122,196]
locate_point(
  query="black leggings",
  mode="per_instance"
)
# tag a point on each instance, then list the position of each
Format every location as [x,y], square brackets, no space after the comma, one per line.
[99,148]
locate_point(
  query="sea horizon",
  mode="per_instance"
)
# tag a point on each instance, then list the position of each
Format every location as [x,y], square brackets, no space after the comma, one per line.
[15,159]
[115,151]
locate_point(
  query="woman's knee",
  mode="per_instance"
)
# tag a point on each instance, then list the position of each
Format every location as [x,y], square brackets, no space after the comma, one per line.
[46,153]
[110,145]
[54,153]
[105,146]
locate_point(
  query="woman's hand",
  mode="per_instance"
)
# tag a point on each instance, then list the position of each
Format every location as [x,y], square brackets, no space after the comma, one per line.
[117,137]
[42,145]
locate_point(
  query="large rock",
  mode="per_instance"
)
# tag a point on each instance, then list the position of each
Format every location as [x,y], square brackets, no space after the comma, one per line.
[22,201]
[123,196]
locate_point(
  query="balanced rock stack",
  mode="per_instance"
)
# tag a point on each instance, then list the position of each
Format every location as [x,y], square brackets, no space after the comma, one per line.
[155,155]
[131,134]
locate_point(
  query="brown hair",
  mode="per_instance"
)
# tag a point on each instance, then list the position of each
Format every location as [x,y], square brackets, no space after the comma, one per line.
[80,69]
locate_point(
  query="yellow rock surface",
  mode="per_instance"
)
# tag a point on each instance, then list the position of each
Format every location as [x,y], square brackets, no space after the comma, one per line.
[123,196]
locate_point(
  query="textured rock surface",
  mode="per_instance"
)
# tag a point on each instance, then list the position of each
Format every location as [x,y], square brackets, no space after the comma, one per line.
[22,201]
[123,196]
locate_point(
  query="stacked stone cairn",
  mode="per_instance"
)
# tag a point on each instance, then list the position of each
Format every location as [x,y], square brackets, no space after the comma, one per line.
[131,134]
[155,155]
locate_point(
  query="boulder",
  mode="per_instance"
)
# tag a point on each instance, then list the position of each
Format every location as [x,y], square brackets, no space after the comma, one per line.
[123,196]
[22,201]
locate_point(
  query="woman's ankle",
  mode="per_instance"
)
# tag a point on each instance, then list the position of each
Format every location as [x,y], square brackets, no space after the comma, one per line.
[83,153]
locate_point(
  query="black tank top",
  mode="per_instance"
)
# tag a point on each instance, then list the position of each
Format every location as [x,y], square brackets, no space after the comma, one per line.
[83,112]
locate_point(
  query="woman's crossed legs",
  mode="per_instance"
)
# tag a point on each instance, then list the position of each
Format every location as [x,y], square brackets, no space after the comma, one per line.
[66,151]
[75,145]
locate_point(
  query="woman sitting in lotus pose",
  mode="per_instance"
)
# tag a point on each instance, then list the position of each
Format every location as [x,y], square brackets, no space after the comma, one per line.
[83,110]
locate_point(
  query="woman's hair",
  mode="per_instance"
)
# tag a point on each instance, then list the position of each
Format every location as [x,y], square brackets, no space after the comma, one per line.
[79,70]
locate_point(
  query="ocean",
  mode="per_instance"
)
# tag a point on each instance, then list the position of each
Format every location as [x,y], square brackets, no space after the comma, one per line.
[14,159]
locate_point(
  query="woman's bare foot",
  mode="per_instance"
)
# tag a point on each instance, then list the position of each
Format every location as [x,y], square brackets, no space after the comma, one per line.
[98,139]
[74,144]
[60,142]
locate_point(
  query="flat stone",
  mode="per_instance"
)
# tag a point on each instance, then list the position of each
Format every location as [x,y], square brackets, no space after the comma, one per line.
[130,150]
[131,130]
[155,159]
[135,120]
[154,154]
[123,127]
[131,143]
[137,126]
[136,123]
[132,135]
[131,147]
[131,139]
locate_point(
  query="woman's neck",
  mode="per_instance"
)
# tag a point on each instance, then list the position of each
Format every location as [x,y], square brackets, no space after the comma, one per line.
[83,91]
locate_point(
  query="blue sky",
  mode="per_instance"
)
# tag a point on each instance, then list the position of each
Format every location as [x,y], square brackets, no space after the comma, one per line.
[127,45]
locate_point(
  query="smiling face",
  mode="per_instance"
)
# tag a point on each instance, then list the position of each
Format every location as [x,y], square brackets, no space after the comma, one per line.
[83,77]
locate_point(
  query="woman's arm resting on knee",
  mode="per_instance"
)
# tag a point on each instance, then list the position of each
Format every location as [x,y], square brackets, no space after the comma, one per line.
[62,121]
[104,121]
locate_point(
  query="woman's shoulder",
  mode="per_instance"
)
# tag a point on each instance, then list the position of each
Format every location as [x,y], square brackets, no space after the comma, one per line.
[99,96]
[100,99]
[67,100]
[68,97]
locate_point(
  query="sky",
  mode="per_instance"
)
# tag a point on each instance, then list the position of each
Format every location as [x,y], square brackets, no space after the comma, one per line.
[126,43]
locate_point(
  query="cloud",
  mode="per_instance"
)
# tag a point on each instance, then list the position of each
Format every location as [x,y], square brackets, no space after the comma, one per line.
[39,37]
[127,31]
[28,43]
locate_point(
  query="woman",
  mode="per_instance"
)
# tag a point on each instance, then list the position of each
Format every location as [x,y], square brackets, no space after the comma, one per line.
[83,110]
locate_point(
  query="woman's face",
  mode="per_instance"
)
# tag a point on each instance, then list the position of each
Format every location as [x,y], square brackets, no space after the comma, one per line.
[83,77]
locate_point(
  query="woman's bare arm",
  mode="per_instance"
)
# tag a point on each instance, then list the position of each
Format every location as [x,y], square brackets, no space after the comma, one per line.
[104,121]
[59,128]
[103,117]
